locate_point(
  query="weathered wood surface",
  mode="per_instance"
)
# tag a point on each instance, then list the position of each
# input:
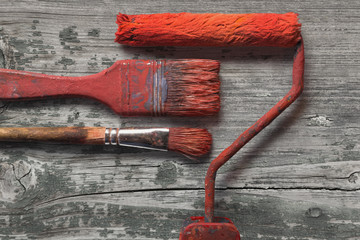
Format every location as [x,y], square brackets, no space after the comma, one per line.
[298,179]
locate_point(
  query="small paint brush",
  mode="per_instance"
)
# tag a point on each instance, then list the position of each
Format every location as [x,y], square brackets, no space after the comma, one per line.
[193,142]
[186,87]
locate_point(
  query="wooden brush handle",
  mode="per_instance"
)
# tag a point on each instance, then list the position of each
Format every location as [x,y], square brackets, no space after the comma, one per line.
[73,135]
[16,84]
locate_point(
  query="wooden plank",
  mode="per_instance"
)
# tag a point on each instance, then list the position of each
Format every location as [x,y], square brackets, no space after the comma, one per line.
[263,214]
[298,179]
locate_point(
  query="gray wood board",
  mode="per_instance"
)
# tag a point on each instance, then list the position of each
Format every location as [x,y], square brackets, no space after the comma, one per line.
[298,179]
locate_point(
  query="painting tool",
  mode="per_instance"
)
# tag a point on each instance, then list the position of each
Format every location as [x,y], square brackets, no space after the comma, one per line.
[214,29]
[208,29]
[184,87]
[211,227]
[192,142]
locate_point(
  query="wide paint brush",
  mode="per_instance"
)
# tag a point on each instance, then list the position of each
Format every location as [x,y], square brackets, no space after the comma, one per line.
[187,87]
[193,142]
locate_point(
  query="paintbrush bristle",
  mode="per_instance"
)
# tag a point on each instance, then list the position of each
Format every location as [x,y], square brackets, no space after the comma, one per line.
[190,141]
[193,87]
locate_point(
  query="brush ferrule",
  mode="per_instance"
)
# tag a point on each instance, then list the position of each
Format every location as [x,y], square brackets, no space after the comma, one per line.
[107,136]
[148,138]
[159,87]
[113,136]
[143,87]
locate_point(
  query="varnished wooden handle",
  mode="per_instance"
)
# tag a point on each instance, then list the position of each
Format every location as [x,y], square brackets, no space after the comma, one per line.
[73,135]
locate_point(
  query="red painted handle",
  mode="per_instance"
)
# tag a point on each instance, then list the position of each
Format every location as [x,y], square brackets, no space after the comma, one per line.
[245,137]
[27,85]
[103,86]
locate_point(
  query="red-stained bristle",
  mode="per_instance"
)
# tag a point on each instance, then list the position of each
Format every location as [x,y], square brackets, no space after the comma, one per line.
[193,87]
[209,29]
[190,141]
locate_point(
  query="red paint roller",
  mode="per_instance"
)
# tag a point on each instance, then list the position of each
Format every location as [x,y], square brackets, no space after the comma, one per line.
[209,29]
[214,29]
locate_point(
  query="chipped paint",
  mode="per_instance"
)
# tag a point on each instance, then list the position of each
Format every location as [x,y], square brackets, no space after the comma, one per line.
[313,212]
[19,53]
[66,62]
[319,120]
[68,35]
[94,32]
[69,39]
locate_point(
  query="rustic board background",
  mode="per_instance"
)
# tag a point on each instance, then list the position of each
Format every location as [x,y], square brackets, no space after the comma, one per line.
[298,179]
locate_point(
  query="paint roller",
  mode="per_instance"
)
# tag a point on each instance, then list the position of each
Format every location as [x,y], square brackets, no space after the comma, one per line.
[219,30]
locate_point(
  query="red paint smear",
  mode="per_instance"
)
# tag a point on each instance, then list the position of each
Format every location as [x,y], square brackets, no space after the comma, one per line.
[209,29]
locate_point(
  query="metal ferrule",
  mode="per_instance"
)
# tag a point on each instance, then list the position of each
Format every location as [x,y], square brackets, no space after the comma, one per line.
[148,138]
[159,87]
[107,136]
[144,87]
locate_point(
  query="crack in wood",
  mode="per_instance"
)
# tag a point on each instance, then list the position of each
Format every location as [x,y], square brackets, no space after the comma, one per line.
[19,179]
[196,189]
[294,188]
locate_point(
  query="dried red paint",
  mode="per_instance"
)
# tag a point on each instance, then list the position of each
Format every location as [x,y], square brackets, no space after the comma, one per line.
[130,87]
[197,229]
[193,87]
[209,29]
[290,97]
[210,227]
[186,29]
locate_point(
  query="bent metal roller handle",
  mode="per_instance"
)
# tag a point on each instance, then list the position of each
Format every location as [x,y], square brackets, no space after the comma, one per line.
[245,137]
[211,227]
[188,87]
[215,29]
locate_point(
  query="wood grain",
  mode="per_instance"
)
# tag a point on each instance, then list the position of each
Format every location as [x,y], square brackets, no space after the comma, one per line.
[298,179]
